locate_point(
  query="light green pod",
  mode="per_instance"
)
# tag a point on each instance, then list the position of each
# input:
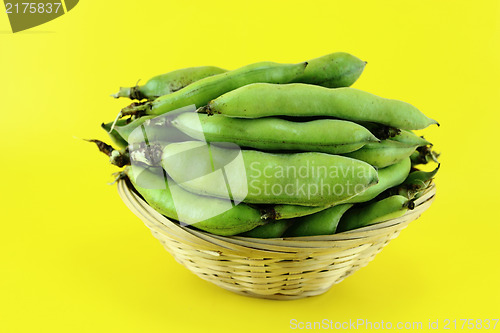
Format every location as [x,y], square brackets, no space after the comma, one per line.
[152,129]
[272,229]
[382,154]
[307,179]
[379,211]
[114,135]
[199,211]
[202,91]
[124,127]
[384,132]
[322,223]
[388,177]
[410,138]
[265,100]
[333,70]
[168,83]
[323,135]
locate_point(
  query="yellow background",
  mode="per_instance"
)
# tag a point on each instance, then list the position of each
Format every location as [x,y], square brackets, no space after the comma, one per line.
[74,259]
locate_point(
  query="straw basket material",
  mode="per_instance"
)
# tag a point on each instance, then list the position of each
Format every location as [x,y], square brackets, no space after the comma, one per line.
[282,268]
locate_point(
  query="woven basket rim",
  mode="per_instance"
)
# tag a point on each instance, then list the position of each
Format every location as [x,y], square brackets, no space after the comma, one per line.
[275,245]
[277,268]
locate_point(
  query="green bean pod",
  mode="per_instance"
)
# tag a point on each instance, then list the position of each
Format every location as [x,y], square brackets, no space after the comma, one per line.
[382,154]
[199,211]
[376,212]
[114,135]
[322,223]
[150,130]
[265,100]
[410,138]
[168,83]
[333,70]
[383,132]
[202,91]
[120,131]
[416,183]
[388,177]
[285,212]
[323,135]
[145,130]
[308,179]
[272,229]
[424,155]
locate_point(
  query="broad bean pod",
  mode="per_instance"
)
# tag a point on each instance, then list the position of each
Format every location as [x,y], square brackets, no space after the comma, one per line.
[333,70]
[321,223]
[273,134]
[202,91]
[388,177]
[265,100]
[272,229]
[416,183]
[168,83]
[410,138]
[113,133]
[307,179]
[424,155]
[376,212]
[382,154]
[199,211]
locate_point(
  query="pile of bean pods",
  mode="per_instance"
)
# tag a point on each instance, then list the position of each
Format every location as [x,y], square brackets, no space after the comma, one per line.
[271,150]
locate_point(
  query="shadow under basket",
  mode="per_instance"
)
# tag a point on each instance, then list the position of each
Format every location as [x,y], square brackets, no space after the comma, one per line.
[279,268]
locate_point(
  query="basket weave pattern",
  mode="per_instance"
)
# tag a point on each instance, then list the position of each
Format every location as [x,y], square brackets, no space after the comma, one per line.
[280,268]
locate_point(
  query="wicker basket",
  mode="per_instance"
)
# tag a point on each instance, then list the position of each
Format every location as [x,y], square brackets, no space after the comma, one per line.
[282,268]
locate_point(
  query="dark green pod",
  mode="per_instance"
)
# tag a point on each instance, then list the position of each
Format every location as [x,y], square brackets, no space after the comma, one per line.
[376,212]
[321,223]
[272,229]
